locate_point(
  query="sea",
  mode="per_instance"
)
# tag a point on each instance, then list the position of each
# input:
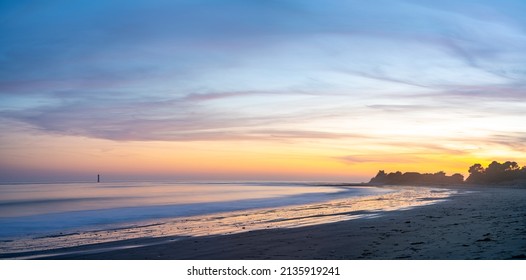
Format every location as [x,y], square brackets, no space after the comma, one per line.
[38,217]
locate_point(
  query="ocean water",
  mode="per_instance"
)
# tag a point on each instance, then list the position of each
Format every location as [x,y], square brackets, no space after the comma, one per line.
[38,217]
[39,209]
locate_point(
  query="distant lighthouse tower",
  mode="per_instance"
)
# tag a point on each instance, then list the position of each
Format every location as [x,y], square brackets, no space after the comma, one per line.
[98,178]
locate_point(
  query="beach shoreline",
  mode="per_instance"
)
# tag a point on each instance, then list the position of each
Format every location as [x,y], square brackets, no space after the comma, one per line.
[343,206]
[476,223]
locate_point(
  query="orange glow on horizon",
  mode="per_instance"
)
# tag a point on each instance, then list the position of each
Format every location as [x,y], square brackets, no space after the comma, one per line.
[210,160]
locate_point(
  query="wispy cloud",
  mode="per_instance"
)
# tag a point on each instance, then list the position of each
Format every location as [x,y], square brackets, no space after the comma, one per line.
[368,158]
[187,118]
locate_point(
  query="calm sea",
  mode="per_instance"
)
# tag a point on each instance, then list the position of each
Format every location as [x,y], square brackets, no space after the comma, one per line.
[29,210]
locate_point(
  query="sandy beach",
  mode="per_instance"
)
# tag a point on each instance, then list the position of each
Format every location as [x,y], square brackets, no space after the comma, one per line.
[475,223]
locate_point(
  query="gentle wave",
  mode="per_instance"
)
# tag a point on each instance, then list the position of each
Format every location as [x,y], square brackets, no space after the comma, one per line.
[32,210]
[229,222]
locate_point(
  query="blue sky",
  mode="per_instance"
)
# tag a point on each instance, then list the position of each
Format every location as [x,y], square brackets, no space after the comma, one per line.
[438,76]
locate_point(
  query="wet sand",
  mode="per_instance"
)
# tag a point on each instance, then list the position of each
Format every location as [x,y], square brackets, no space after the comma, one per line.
[476,223]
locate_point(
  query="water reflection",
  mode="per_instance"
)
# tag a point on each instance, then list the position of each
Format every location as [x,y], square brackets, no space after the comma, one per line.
[245,220]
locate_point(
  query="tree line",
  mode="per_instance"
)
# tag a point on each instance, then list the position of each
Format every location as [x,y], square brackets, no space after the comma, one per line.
[508,172]
[496,173]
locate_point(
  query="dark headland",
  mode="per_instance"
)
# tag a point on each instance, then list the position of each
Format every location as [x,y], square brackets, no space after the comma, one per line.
[508,173]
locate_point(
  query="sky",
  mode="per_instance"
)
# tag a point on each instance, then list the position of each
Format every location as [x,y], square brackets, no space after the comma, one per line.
[259,90]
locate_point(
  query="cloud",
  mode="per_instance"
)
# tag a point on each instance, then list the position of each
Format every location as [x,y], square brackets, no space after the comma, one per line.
[515,141]
[188,118]
[373,158]
[187,70]
[512,92]
[118,43]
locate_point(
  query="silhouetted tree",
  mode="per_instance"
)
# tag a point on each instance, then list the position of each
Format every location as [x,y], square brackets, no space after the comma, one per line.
[415,178]
[476,173]
[457,178]
[496,173]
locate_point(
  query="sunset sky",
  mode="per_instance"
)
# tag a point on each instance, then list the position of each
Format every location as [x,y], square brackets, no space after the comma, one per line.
[259,90]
